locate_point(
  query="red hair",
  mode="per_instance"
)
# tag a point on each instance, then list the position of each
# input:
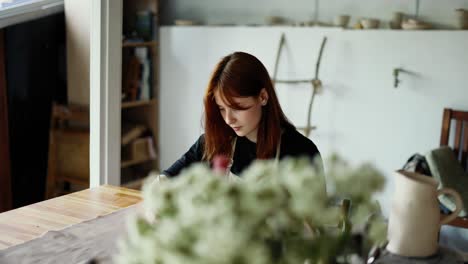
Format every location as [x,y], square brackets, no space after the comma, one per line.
[241,75]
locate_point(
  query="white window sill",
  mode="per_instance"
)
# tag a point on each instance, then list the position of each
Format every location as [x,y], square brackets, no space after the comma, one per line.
[25,10]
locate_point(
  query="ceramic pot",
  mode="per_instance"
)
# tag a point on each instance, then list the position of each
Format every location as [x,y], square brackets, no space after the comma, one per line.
[397,18]
[462,18]
[341,21]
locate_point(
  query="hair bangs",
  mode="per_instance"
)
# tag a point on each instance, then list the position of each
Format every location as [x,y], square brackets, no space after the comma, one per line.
[228,93]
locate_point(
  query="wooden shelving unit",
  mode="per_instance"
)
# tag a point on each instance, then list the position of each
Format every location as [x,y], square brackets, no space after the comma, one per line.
[128,163]
[139,108]
[128,44]
[138,103]
[135,184]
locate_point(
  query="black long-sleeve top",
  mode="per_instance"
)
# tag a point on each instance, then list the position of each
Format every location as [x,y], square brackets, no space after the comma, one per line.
[293,144]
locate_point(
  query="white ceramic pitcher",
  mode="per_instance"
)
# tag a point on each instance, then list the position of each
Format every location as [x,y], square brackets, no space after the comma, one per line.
[415,219]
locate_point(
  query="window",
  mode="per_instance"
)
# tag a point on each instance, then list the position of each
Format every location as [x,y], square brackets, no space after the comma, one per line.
[17,11]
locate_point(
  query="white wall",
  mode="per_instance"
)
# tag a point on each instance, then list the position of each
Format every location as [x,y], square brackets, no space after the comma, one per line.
[359,115]
[77,20]
[247,11]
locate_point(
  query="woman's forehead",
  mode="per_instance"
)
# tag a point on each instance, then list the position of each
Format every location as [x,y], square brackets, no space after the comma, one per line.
[220,100]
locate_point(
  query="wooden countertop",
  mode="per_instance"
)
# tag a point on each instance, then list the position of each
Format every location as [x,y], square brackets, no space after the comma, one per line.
[29,222]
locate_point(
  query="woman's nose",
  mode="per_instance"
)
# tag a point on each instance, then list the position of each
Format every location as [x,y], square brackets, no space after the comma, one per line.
[230,117]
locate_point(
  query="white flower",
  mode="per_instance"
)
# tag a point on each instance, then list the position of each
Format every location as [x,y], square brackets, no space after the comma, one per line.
[279,213]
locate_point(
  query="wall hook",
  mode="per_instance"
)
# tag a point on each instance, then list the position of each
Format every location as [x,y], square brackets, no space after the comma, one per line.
[396,73]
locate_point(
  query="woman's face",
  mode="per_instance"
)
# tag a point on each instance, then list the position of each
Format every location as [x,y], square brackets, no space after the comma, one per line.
[243,122]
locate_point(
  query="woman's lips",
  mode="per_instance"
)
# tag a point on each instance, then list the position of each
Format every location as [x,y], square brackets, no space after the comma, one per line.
[236,128]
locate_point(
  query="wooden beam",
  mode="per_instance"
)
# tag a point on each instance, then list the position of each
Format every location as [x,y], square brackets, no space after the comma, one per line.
[5,171]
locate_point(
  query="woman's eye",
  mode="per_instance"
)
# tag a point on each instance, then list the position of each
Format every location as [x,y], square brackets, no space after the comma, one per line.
[245,107]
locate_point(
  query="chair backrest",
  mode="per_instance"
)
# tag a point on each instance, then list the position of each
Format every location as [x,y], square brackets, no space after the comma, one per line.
[68,149]
[458,143]
[457,140]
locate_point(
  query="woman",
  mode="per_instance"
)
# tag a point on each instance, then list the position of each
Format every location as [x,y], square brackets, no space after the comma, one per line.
[243,119]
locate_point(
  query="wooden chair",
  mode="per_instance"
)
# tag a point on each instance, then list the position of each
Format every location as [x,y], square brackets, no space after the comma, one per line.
[459,145]
[68,165]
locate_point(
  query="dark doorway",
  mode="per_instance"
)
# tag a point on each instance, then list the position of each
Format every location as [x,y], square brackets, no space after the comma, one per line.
[5,175]
[35,60]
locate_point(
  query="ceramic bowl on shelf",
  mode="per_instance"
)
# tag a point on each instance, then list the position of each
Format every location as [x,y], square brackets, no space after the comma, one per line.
[275,20]
[369,23]
[413,24]
[185,22]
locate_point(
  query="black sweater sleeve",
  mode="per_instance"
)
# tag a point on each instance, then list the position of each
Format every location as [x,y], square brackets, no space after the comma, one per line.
[194,154]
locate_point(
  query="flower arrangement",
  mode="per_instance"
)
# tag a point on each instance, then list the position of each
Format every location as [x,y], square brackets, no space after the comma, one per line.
[279,213]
